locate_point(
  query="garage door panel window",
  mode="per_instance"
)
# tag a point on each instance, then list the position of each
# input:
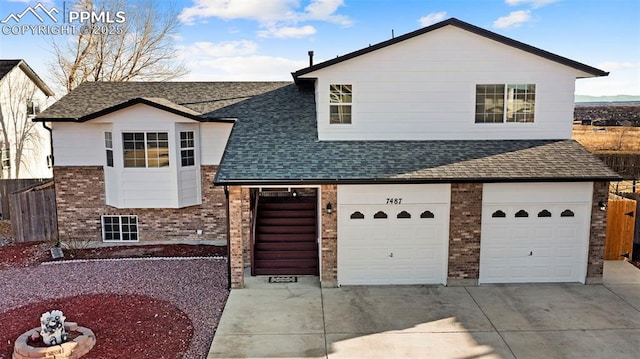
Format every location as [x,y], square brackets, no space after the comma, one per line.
[357,215]
[380,215]
[403,215]
[498,214]
[567,213]
[427,214]
[544,213]
[522,214]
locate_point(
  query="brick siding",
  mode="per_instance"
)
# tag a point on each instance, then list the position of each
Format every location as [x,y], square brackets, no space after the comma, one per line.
[80,198]
[464,232]
[236,242]
[329,255]
[598,233]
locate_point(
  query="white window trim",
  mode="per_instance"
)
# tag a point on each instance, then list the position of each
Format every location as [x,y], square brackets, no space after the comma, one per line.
[109,149]
[120,221]
[350,104]
[192,148]
[146,150]
[505,99]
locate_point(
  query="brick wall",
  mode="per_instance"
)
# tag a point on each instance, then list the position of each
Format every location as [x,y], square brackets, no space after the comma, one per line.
[598,233]
[81,201]
[329,255]
[246,226]
[236,242]
[464,233]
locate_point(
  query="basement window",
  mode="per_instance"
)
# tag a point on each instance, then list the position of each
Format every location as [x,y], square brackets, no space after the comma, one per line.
[120,228]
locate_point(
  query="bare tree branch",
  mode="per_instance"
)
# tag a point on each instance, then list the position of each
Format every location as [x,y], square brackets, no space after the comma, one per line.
[142,48]
[17,130]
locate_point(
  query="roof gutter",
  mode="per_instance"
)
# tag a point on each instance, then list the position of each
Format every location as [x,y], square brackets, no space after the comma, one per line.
[355,181]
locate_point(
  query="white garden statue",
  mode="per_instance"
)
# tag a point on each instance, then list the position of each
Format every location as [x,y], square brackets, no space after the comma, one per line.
[52,328]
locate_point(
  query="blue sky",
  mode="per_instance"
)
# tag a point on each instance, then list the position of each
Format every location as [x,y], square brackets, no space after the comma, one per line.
[268,39]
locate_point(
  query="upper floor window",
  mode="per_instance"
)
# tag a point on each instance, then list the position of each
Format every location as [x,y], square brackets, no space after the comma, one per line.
[33,108]
[5,158]
[145,149]
[498,103]
[340,98]
[108,144]
[187,149]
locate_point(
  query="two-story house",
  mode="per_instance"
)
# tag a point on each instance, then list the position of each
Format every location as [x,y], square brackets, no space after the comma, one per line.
[25,147]
[442,156]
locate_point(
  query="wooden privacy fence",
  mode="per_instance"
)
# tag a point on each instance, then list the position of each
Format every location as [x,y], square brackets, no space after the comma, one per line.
[34,213]
[8,186]
[621,217]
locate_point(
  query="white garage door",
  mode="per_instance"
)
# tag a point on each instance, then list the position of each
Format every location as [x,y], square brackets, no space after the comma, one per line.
[535,232]
[393,234]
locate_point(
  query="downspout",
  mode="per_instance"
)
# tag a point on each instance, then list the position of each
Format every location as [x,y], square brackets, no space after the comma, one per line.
[226,195]
[44,124]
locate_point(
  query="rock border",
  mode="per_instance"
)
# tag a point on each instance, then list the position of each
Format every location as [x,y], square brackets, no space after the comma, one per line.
[72,349]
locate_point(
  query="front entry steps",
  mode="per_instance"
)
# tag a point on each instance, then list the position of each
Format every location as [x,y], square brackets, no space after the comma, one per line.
[286,236]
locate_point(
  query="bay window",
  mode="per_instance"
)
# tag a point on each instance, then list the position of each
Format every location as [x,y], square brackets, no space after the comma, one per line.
[145,149]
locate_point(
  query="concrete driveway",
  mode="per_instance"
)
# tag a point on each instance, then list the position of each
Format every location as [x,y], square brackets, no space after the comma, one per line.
[301,320]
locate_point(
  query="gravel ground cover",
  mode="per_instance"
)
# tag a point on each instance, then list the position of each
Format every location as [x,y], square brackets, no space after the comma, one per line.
[196,287]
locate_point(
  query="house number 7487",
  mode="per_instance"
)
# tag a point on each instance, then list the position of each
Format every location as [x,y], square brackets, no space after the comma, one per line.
[394,200]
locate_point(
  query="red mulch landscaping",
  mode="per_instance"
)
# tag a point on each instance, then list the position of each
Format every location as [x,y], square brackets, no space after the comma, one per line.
[126,326]
[34,253]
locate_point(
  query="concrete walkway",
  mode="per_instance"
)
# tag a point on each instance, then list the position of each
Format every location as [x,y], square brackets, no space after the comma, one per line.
[301,320]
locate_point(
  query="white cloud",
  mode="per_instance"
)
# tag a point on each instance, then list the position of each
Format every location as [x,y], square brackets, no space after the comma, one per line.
[265,12]
[33,3]
[277,18]
[235,61]
[615,65]
[258,10]
[243,68]
[207,50]
[534,3]
[624,79]
[432,18]
[324,10]
[514,19]
[287,32]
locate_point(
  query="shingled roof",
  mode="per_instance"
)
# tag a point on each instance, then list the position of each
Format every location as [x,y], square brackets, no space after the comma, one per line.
[6,66]
[195,100]
[275,141]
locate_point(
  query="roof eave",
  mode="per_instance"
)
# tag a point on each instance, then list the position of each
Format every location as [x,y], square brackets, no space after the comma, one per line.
[354,181]
[135,101]
[35,78]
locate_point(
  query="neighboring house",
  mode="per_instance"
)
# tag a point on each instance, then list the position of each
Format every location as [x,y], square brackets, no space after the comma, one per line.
[25,146]
[442,156]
